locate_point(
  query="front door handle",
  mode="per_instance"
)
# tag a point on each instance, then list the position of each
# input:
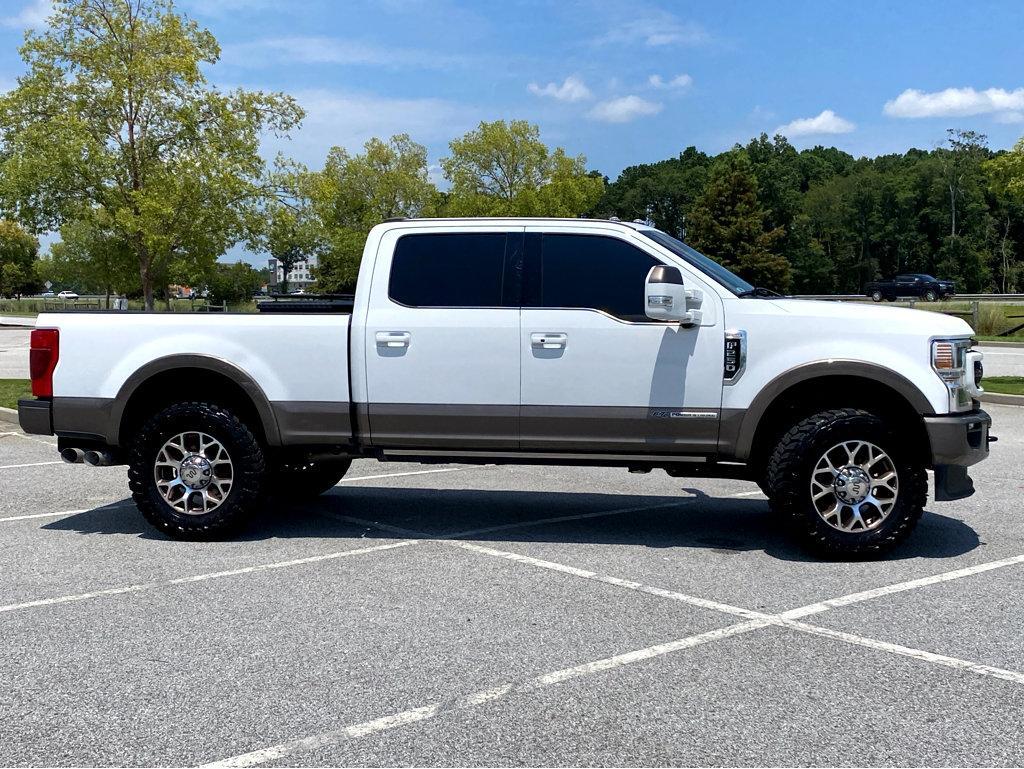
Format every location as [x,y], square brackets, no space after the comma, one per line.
[548,341]
[393,338]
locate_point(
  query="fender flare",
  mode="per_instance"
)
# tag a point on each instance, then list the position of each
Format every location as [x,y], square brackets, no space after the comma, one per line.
[207,363]
[816,370]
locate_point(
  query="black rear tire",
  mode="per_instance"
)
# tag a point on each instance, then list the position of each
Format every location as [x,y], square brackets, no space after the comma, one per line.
[306,481]
[247,472]
[790,472]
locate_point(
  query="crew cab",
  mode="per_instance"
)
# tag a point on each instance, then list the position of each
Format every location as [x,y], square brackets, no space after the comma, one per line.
[925,287]
[531,341]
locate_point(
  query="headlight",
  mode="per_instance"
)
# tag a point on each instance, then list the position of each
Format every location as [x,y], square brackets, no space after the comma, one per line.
[956,364]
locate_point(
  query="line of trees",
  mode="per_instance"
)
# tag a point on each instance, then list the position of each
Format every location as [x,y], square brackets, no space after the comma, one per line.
[820,220]
[114,138]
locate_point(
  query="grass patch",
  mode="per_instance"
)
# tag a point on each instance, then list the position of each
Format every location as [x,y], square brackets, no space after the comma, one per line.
[1006,385]
[12,389]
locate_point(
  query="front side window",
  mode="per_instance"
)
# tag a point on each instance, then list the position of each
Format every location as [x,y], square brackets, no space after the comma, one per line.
[591,272]
[448,270]
[720,274]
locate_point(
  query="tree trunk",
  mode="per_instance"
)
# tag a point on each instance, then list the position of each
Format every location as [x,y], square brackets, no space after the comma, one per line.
[147,288]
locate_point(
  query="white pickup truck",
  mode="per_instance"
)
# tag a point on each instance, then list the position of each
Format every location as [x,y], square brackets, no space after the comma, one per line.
[574,342]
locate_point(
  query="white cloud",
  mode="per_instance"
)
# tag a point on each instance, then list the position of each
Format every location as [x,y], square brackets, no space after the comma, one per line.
[954,102]
[350,119]
[827,122]
[572,89]
[34,14]
[624,109]
[656,29]
[679,82]
[314,49]
[1010,117]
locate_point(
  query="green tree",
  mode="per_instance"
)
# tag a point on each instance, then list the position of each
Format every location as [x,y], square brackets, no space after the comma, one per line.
[728,224]
[504,169]
[353,193]
[115,115]
[1005,175]
[290,236]
[18,253]
[92,258]
[233,283]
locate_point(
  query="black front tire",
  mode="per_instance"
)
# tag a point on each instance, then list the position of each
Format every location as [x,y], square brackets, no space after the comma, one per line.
[248,471]
[307,480]
[931,296]
[794,460]
[876,296]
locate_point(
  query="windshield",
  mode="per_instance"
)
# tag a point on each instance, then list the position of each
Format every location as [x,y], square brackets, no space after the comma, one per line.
[709,267]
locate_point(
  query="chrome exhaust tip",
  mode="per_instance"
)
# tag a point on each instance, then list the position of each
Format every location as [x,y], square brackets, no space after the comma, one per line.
[72,456]
[98,458]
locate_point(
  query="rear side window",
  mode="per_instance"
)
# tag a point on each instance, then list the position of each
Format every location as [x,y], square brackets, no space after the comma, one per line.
[592,272]
[448,270]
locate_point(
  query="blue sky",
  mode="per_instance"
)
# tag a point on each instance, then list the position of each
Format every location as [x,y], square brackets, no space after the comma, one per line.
[621,82]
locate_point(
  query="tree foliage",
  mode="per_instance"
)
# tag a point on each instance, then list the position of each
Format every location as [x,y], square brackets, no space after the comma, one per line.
[18,252]
[504,169]
[114,115]
[728,221]
[232,283]
[353,193]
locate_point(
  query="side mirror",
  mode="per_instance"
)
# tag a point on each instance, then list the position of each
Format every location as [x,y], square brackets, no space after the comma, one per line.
[667,299]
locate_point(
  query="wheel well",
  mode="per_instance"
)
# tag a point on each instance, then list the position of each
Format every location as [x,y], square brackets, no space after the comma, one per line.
[827,392]
[183,384]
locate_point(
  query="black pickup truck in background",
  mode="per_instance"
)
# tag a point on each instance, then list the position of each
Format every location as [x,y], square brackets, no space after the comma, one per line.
[912,284]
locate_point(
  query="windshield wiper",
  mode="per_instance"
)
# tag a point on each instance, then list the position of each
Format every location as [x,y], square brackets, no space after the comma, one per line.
[758,291]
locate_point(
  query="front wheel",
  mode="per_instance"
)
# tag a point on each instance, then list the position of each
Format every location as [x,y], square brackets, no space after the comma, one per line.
[931,296]
[876,296]
[846,484]
[196,471]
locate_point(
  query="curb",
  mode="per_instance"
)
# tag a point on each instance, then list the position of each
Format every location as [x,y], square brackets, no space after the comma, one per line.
[999,344]
[1004,399]
[9,415]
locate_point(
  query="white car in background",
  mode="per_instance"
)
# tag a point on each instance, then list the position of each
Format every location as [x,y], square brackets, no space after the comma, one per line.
[67,296]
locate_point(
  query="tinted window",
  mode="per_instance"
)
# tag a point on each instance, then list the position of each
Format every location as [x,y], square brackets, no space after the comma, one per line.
[448,270]
[593,272]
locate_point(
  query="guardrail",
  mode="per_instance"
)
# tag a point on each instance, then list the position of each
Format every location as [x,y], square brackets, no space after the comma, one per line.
[954,298]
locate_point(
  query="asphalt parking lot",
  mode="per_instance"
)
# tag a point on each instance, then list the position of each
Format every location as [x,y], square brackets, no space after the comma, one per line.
[503,616]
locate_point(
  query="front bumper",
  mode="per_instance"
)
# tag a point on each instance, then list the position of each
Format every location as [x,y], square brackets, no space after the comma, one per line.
[36,416]
[957,442]
[958,439]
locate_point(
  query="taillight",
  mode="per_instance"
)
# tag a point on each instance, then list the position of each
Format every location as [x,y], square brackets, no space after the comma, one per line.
[42,360]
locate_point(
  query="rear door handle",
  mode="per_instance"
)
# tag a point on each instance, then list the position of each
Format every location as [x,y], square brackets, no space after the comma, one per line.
[393,338]
[548,341]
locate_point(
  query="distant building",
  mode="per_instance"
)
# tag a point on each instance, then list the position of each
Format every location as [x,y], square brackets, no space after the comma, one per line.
[299,278]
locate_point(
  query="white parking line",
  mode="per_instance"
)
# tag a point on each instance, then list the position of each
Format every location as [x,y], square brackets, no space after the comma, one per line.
[414,472]
[31,464]
[608,580]
[202,577]
[938,659]
[758,620]
[476,699]
[899,587]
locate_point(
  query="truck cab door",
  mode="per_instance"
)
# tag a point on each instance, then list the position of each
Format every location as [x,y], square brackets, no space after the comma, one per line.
[441,339]
[597,374]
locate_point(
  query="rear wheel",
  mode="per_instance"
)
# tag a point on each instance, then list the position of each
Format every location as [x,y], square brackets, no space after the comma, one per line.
[306,480]
[196,471]
[846,484]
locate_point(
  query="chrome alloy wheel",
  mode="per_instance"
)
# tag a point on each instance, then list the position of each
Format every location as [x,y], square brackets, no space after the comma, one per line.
[193,473]
[854,486]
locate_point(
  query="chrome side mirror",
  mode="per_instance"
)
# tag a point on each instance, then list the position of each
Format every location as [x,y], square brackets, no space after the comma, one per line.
[666,298]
